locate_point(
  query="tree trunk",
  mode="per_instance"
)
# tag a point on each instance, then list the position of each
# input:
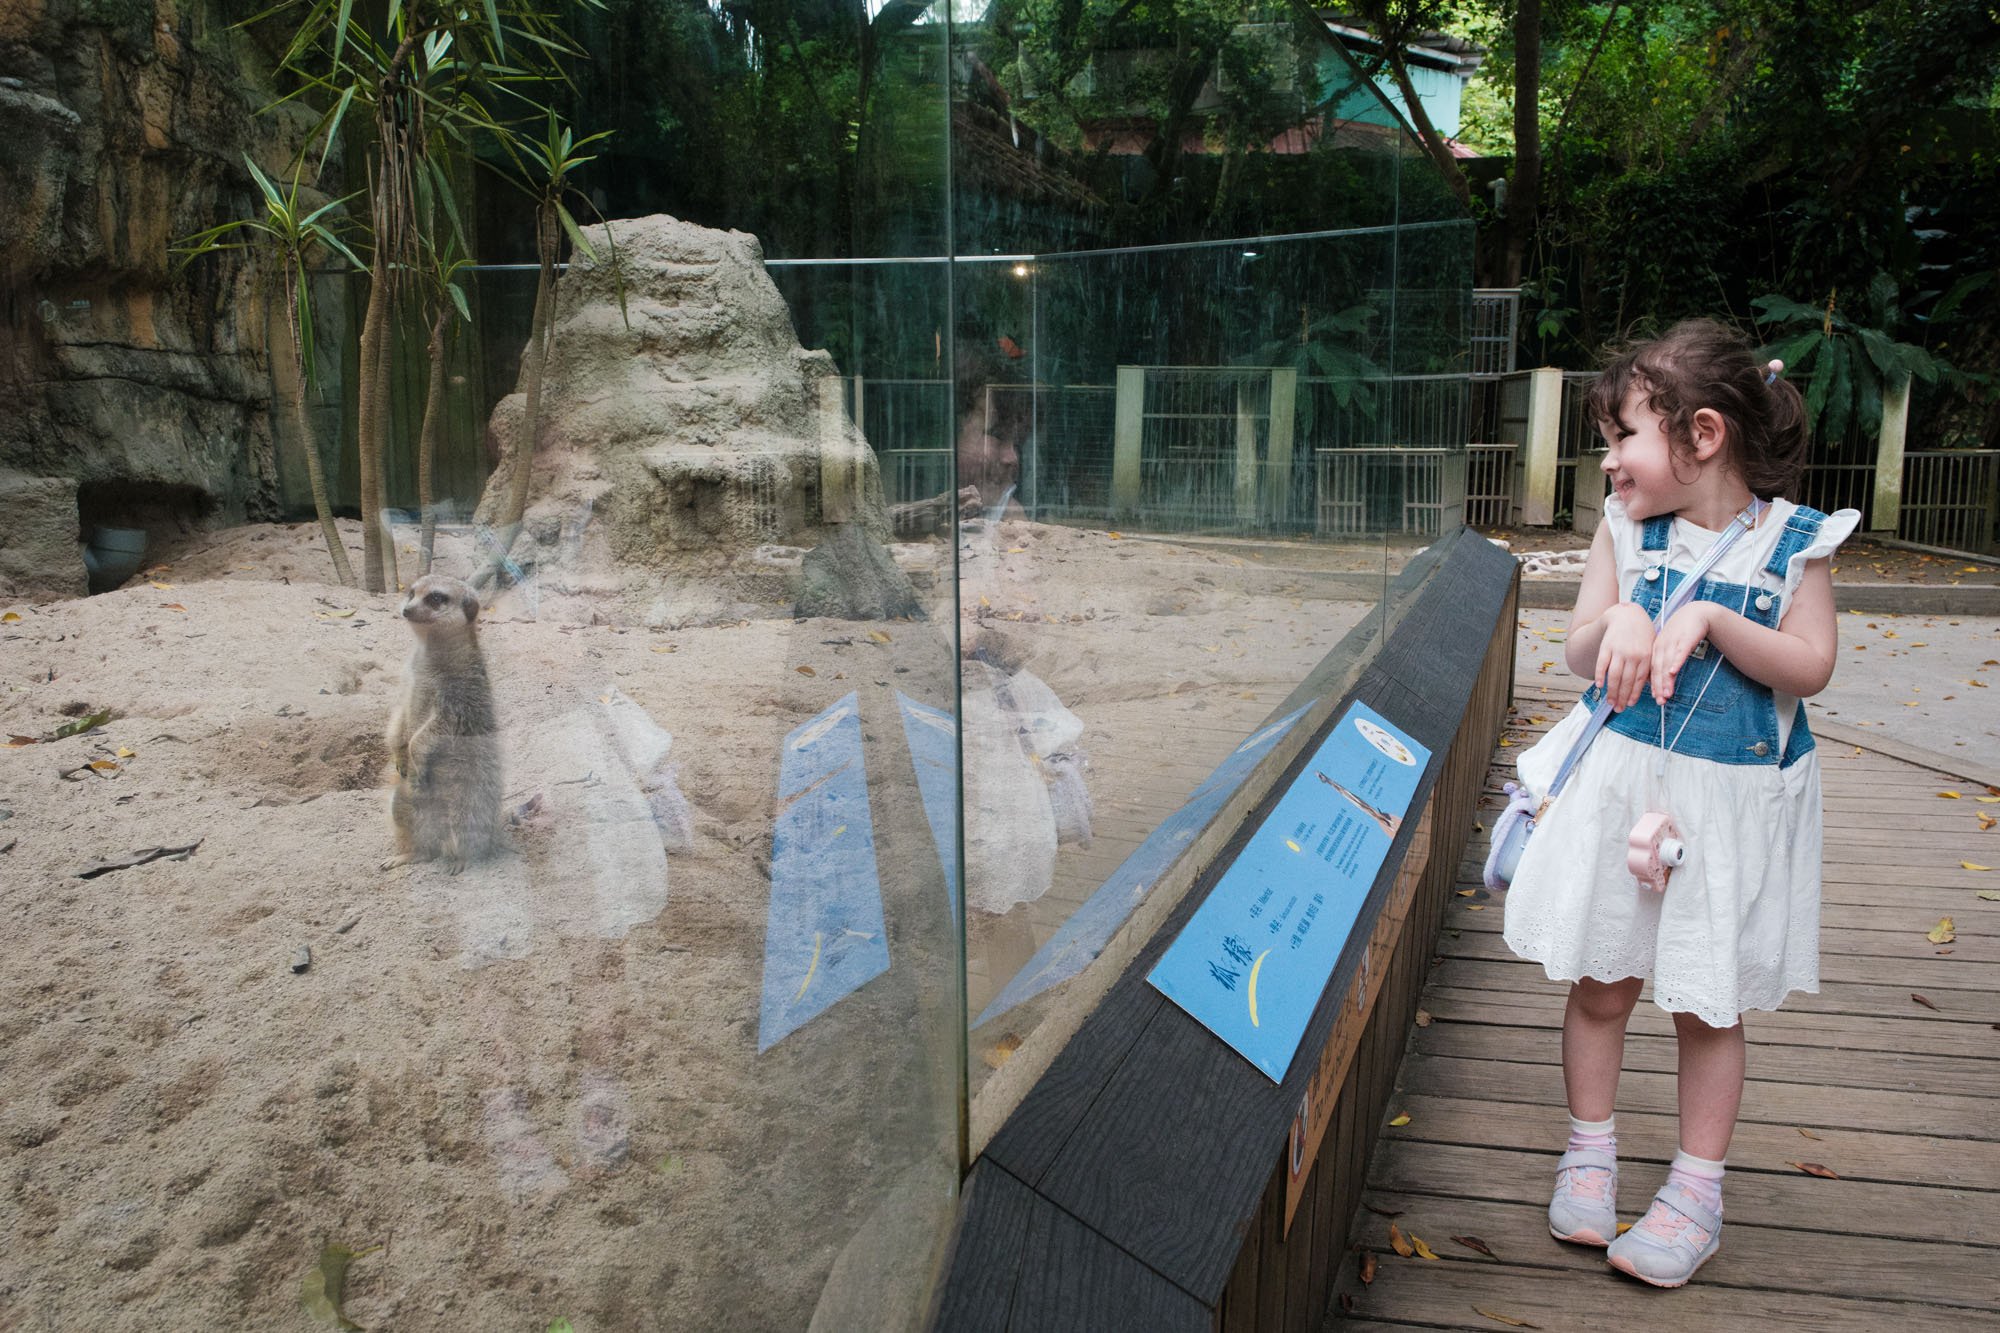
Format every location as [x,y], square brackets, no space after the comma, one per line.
[1524,193]
[368,431]
[534,361]
[533,366]
[1433,143]
[386,377]
[427,442]
[315,473]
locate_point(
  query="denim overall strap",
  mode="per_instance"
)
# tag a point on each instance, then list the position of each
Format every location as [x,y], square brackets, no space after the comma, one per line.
[1654,538]
[1800,531]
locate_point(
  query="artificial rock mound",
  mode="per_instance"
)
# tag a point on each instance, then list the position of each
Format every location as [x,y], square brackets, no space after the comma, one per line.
[683,432]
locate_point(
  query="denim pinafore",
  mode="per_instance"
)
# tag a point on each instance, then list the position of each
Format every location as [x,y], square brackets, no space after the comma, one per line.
[1738,928]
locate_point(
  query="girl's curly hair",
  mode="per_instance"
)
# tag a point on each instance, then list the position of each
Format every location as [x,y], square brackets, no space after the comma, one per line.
[1698,364]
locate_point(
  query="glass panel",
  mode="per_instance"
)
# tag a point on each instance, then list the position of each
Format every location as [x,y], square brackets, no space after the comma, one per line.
[1070,390]
[1205,427]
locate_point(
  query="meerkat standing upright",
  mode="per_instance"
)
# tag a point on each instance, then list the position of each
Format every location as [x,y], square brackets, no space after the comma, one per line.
[442,736]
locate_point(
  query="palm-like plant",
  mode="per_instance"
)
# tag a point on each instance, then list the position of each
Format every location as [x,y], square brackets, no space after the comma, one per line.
[546,168]
[290,236]
[1852,363]
[426,80]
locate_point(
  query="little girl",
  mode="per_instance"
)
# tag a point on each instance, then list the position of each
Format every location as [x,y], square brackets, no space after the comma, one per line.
[1708,729]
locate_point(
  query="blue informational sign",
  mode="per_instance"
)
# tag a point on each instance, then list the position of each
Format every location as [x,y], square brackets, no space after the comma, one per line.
[932,736]
[1083,937]
[824,938]
[1253,960]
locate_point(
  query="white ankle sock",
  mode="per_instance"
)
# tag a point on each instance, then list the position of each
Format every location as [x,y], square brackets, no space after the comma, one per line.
[1599,1134]
[1702,1177]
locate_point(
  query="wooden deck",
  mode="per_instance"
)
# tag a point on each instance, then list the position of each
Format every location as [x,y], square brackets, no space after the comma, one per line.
[1898,1097]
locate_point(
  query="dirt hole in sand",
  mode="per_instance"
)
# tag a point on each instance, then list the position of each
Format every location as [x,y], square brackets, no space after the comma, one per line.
[289,759]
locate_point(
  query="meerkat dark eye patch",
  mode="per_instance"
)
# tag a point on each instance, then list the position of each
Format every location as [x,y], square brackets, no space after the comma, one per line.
[436,599]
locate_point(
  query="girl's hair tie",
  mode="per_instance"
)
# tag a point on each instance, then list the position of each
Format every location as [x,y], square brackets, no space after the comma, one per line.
[1770,378]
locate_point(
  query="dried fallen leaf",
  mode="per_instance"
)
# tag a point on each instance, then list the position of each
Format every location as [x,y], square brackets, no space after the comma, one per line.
[1624,1227]
[805,671]
[1423,1250]
[1989,895]
[1398,1244]
[1925,1002]
[1986,821]
[172,606]
[1506,1319]
[1974,865]
[1815,1169]
[1987,800]
[1475,907]
[1367,1267]
[16,742]
[1001,1051]
[320,1292]
[1948,796]
[104,765]
[124,753]
[1809,1134]
[879,636]
[1400,1121]
[1474,1243]
[163,587]
[10,618]
[1381,1212]
[1423,1018]
[1943,932]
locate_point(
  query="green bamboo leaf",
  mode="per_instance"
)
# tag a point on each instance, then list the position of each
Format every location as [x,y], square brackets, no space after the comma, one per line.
[1881,350]
[458,299]
[271,195]
[493,18]
[1961,289]
[333,125]
[1840,392]
[575,233]
[1868,410]
[1777,309]
[340,29]
[1796,352]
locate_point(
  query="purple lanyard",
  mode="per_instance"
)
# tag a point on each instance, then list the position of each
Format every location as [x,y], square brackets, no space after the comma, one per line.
[1740,524]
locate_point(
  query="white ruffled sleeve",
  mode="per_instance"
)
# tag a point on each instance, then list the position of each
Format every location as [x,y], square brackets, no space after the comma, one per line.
[1837,528]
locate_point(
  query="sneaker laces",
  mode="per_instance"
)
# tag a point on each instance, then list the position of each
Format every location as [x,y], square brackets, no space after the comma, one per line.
[1669,1224]
[1592,1182]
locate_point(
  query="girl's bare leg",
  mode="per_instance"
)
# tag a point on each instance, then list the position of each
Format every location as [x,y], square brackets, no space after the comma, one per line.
[1711,1085]
[1594,1046]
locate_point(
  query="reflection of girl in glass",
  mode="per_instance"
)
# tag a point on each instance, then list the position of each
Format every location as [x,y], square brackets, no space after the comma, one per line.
[1389,823]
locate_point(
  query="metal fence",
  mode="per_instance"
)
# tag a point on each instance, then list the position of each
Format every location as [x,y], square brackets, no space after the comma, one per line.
[1205,456]
[1951,498]
[1496,314]
[1489,484]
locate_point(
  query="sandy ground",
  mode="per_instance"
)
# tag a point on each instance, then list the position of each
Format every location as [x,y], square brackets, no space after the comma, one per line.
[535,1085]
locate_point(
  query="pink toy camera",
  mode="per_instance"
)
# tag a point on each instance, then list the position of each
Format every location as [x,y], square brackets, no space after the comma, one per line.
[1654,851]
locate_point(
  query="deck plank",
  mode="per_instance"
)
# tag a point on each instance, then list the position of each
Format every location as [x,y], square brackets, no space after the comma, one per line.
[1900,1097]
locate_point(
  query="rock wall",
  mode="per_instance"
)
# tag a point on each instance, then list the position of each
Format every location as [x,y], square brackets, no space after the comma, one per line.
[132,392]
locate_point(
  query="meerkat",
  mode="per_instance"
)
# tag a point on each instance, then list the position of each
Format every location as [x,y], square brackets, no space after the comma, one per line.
[442,736]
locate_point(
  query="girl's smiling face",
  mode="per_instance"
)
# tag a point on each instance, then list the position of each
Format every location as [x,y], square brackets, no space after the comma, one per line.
[1640,462]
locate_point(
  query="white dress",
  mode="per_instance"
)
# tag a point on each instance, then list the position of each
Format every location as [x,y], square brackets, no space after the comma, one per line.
[1738,927]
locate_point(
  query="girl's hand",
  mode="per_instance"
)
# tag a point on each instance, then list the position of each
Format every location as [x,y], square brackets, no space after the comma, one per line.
[1625,654]
[1677,638]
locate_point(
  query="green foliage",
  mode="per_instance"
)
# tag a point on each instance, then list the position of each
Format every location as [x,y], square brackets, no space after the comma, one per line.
[1849,356]
[294,236]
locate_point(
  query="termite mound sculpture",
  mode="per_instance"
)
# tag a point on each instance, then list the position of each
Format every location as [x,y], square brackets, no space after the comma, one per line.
[682,428]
